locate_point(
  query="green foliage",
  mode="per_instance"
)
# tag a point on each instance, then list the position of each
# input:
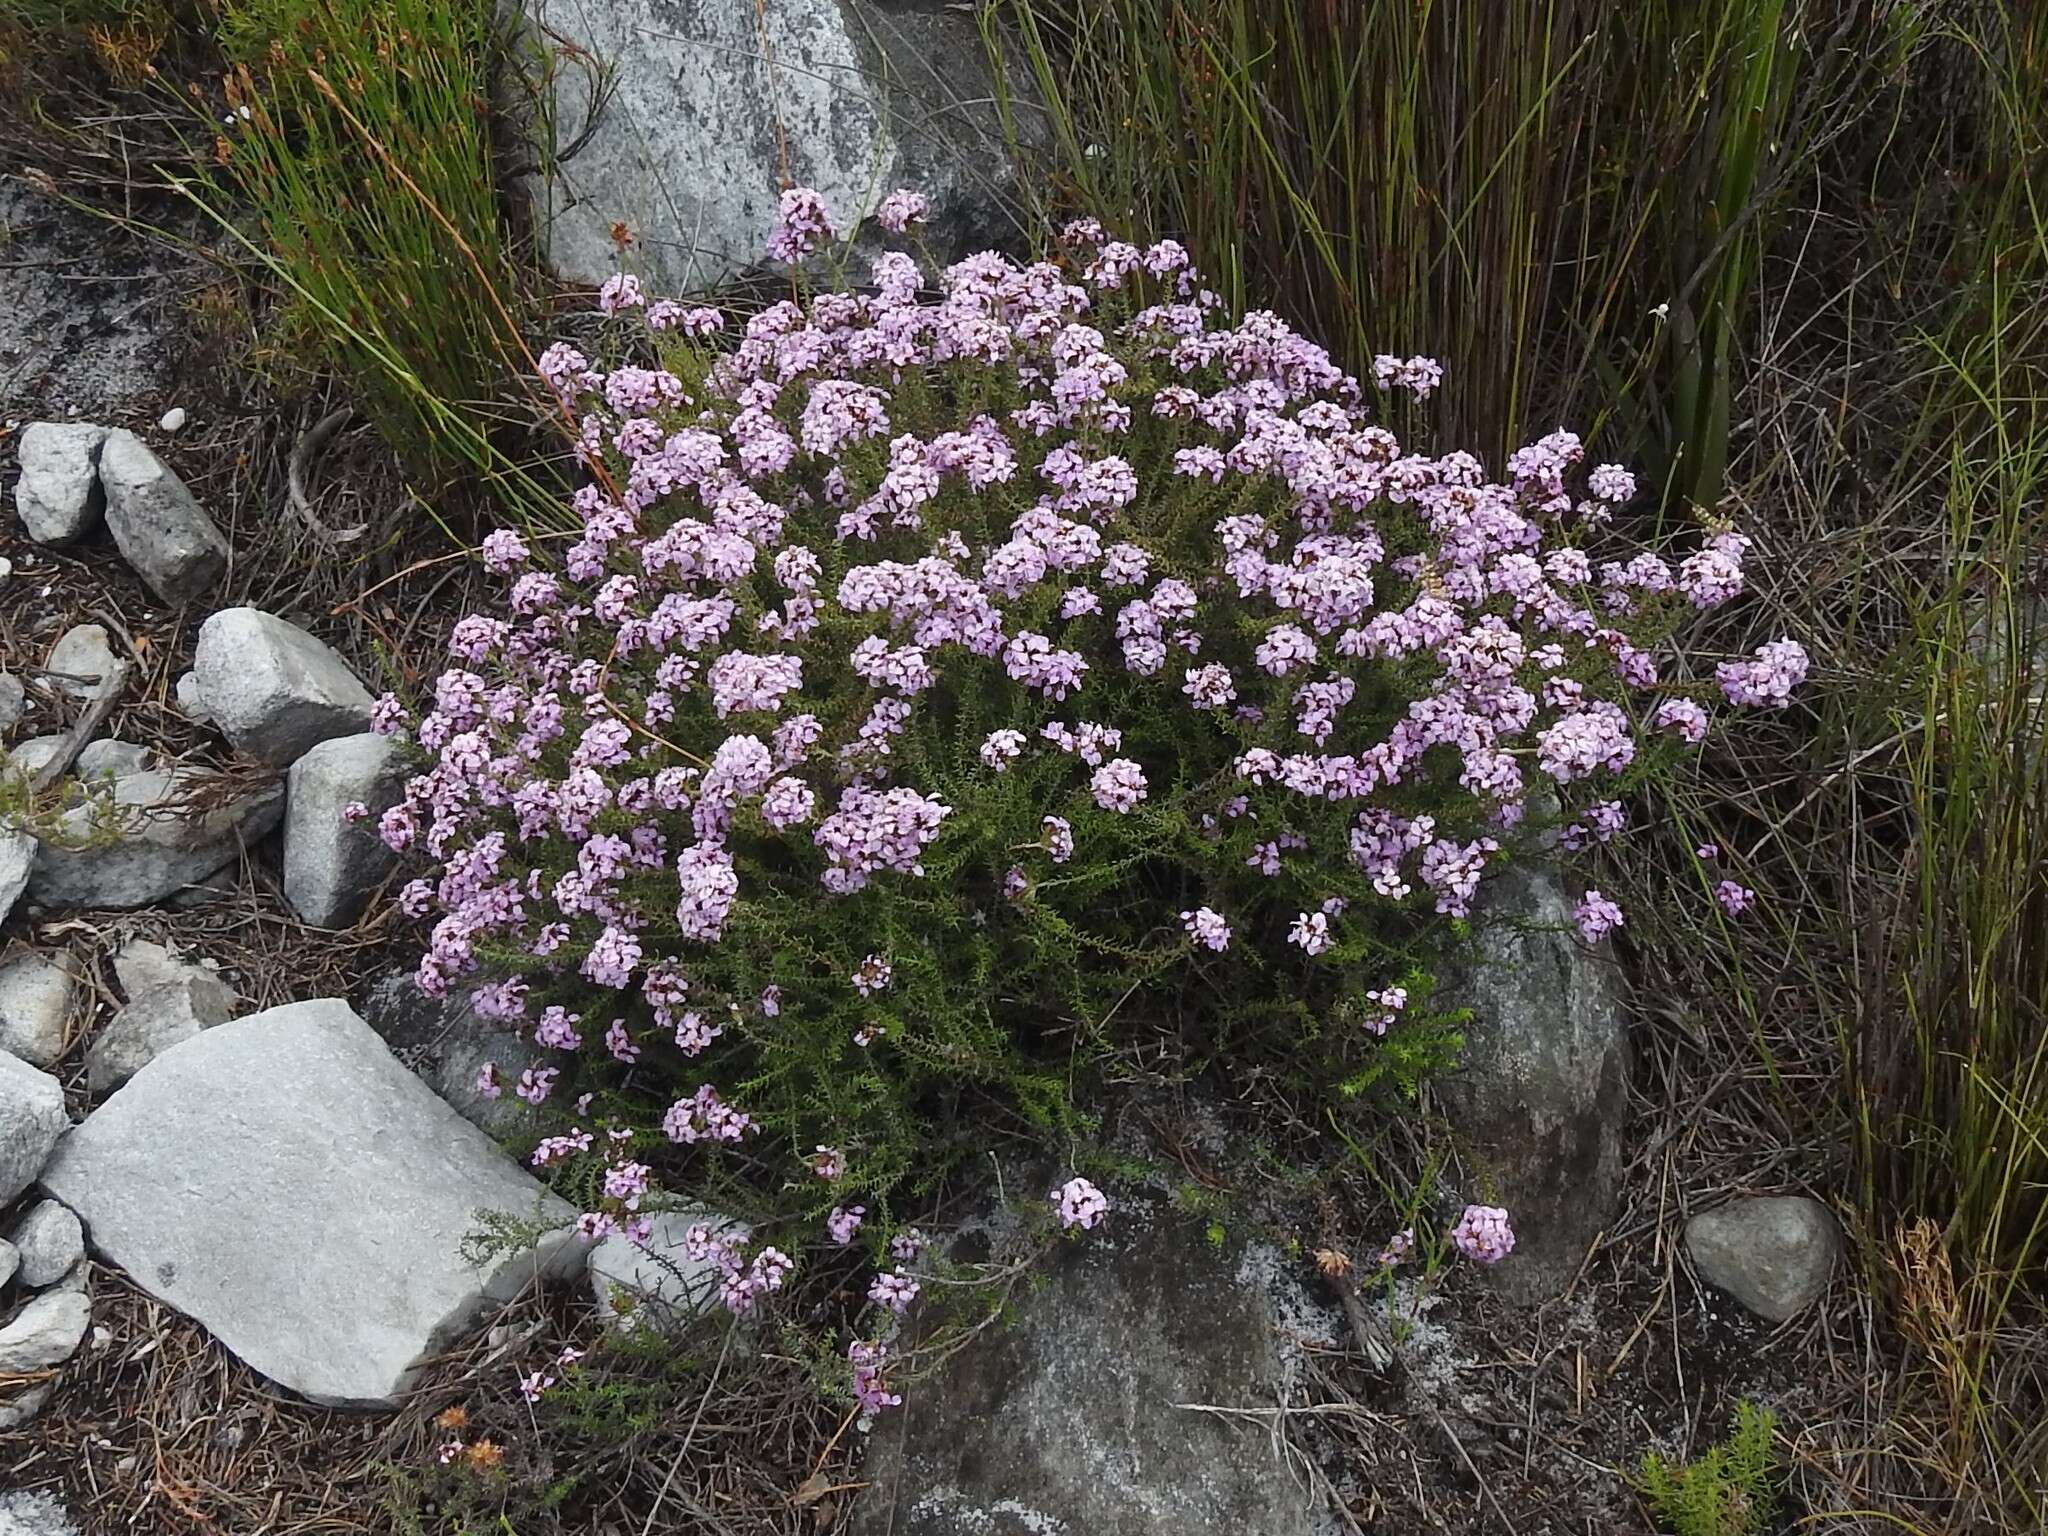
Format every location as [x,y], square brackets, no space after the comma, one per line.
[1003,1003]
[1726,1492]
[1562,202]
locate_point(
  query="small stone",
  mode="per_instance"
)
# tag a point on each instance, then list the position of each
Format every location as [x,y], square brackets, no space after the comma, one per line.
[28,758]
[1773,1253]
[14,1412]
[331,865]
[286,1182]
[44,1333]
[13,702]
[35,1002]
[190,704]
[274,689]
[112,759]
[31,1119]
[172,420]
[81,658]
[159,525]
[141,964]
[10,1261]
[164,1015]
[59,495]
[171,828]
[50,1242]
[659,1283]
[17,863]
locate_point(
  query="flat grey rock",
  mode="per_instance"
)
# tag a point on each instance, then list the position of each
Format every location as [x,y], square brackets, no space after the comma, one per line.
[331,865]
[35,1003]
[59,495]
[82,657]
[165,829]
[45,1332]
[13,701]
[1772,1253]
[93,320]
[108,758]
[1066,1419]
[50,1243]
[1541,1098]
[274,689]
[10,1261]
[659,1284]
[161,529]
[155,1019]
[17,862]
[31,1119]
[286,1182]
[33,1513]
[716,105]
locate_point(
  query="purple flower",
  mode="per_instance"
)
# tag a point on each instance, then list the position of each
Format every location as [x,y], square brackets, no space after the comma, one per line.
[801,225]
[1768,679]
[1207,928]
[620,291]
[1002,748]
[1118,785]
[1735,898]
[1597,917]
[872,977]
[903,208]
[1079,1203]
[1059,838]
[894,1290]
[1311,930]
[709,886]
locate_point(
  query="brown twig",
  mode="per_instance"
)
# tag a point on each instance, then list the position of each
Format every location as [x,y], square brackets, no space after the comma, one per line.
[316,437]
[112,686]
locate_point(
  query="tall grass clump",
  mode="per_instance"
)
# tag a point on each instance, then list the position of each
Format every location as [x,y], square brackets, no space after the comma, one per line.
[1954,1092]
[1893,452]
[1561,202]
[358,134]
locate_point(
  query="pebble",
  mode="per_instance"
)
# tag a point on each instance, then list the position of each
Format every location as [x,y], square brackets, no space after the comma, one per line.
[174,419]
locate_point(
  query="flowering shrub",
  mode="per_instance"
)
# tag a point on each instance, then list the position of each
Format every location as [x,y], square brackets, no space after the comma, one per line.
[948,679]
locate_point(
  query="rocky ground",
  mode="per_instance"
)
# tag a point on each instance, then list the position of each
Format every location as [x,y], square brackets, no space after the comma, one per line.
[239,1154]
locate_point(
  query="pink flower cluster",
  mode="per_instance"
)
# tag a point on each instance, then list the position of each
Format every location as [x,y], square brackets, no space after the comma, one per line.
[1079,1203]
[1006,574]
[1483,1233]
